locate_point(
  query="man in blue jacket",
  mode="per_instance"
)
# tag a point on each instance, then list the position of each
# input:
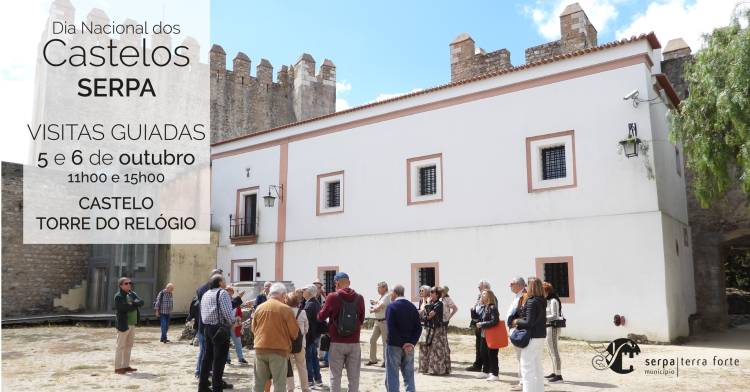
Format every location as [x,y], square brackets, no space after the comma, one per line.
[403,333]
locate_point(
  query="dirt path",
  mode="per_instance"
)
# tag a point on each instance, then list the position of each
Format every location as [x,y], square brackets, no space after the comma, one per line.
[81,359]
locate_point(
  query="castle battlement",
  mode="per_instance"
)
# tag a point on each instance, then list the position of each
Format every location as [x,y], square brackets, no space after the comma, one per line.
[242,103]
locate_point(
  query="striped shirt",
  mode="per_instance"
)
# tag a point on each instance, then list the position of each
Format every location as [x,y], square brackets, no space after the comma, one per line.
[209,316]
[164,302]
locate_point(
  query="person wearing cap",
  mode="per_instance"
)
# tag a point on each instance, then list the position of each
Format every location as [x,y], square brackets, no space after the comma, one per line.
[344,351]
[380,328]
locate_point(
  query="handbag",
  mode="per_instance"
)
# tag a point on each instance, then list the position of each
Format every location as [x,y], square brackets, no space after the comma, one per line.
[497,336]
[325,343]
[222,332]
[297,342]
[520,338]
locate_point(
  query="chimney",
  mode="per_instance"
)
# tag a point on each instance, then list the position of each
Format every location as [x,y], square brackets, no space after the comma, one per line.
[462,51]
[675,56]
[576,32]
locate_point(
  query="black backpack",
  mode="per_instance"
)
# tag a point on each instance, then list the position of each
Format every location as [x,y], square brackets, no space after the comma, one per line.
[346,324]
[195,309]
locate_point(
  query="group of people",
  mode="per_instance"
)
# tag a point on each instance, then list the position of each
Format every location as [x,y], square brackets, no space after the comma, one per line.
[291,329]
[535,309]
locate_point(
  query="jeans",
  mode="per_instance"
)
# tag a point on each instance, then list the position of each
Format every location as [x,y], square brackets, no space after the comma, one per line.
[396,359]
[349,356]
[237,342]
[214,360]
[201,352]
[164,323]
[313,366]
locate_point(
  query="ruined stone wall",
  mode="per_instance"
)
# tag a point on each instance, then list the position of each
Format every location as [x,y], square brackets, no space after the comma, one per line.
[727,220]
[467,62]
[33,275]
[243,104]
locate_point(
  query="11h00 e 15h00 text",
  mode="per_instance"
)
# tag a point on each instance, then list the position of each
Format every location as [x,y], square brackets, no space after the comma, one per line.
[125,178]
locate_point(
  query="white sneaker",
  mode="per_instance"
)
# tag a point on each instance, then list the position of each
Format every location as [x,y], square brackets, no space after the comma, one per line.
[492,377]
[517,387]
[483,375]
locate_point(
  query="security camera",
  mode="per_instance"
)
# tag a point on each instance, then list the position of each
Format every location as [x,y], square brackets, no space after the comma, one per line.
[632,95]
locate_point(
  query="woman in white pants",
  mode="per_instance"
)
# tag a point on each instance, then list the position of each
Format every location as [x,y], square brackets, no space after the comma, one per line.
[533,320]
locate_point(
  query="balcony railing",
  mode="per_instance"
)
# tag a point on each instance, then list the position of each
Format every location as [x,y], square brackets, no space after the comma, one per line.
[242,230]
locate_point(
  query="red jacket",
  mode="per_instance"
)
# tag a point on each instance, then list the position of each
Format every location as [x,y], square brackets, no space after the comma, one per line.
[331,310]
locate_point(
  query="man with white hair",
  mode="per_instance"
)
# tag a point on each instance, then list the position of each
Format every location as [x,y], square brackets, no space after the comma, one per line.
[274,327]
[163,310]
[518,287]
[476,310]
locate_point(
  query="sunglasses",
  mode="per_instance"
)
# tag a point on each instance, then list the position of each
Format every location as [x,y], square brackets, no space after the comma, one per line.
[128,283]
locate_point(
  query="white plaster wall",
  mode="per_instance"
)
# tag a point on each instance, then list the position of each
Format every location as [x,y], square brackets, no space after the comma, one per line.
[680,287]
[484,162]
[671,186]
[228,175]
[617,260]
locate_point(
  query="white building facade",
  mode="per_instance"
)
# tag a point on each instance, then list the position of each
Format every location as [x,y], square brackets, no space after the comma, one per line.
[513,174]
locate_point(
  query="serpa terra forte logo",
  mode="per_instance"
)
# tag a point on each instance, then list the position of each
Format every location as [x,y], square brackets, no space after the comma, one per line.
[612,356]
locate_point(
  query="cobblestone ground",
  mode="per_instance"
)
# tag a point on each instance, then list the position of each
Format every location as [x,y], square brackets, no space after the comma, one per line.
[81,358]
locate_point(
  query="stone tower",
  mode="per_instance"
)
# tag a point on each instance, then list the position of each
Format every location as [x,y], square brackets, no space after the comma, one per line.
[576,33]
[242,104]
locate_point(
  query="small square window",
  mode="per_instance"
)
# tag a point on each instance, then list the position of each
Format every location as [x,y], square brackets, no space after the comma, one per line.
[330,193]
[558,271]
[550,161]
[553,163]
[424,179]
[243,270]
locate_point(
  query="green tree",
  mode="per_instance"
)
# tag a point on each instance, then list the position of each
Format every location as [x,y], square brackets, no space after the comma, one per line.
[713,122]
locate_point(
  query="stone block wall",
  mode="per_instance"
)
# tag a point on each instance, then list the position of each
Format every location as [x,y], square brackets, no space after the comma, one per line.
[467,62]
[33,275]
[243,104]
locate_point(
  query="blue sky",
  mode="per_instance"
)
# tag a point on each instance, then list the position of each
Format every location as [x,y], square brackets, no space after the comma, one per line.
[389,47]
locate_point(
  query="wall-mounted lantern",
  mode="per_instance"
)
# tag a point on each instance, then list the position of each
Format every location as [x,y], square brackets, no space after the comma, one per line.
[631,143]
[269,199]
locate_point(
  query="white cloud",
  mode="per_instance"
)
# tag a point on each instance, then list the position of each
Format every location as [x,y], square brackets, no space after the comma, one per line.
[546,15]
[342,104]
[675,18]
[385,96]
[343,87]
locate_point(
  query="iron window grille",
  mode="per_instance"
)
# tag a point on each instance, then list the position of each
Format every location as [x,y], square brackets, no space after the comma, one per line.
[557,275]
[426,277]
[428,180]
[333,194]
[553,163]
[328,284]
